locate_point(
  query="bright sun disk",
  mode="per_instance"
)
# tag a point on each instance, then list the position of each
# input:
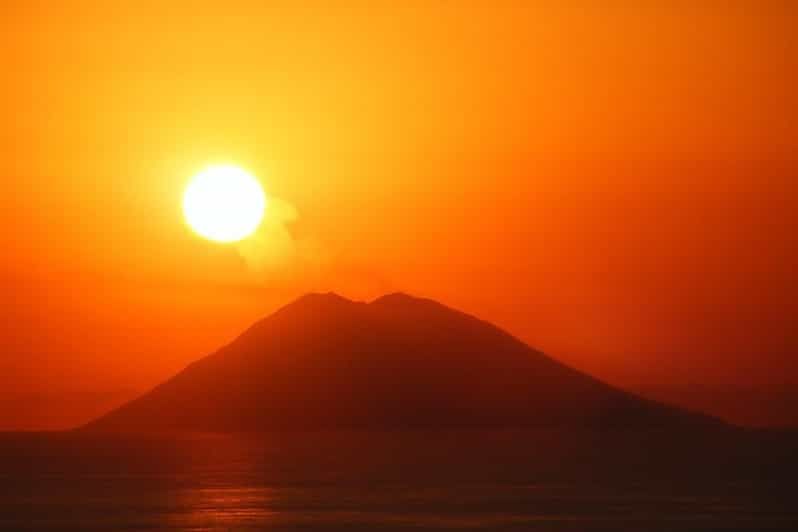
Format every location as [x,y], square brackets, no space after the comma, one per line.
[224,203]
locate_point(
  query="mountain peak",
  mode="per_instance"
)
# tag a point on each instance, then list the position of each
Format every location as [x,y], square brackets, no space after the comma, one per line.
[334,298]
[314,298]
[395,297]
[306,310]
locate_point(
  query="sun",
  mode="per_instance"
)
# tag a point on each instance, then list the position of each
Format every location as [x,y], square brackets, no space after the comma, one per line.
[224,203]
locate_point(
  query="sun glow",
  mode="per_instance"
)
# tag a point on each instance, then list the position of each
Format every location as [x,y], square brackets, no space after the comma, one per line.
[224,203]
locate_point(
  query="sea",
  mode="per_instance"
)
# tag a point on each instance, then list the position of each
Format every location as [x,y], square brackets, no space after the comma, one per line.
[365,480]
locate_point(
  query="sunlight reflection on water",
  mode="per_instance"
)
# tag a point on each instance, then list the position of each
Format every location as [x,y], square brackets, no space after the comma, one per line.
[390,481]
[225,508]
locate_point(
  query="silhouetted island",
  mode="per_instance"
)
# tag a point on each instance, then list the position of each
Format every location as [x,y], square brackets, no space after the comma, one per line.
[324,361]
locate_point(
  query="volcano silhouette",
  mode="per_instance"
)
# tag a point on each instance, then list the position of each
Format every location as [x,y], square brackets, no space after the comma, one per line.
[324,361]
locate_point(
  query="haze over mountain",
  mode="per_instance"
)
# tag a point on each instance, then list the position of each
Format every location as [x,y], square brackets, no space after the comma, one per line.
[324,361]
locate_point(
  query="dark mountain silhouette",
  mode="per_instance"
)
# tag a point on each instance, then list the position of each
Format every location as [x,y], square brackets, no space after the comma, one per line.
[324,361]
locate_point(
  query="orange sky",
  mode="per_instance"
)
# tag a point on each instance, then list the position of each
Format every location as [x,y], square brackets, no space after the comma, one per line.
[618,186]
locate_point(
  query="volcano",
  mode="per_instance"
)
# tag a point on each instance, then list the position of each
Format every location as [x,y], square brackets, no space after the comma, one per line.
[324,361]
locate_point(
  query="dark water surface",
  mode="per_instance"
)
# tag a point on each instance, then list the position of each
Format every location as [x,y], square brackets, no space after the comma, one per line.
[433,480]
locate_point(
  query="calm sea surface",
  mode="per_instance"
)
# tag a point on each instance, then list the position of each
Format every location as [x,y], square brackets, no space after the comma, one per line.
[435,480]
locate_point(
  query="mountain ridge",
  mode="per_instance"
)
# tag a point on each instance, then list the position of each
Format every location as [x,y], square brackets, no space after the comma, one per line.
[398,361]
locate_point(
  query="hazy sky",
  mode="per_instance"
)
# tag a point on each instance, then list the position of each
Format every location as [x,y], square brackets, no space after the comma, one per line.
[618,186]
